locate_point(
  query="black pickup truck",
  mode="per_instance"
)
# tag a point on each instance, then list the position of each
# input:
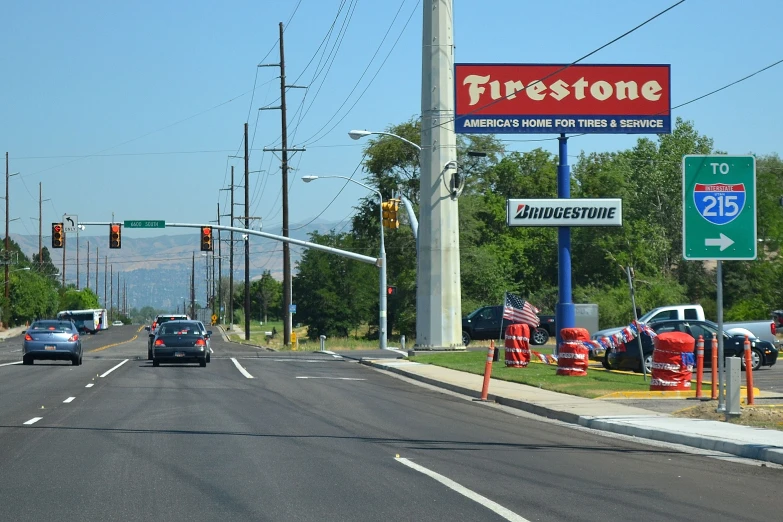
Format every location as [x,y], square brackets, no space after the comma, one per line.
[485,323]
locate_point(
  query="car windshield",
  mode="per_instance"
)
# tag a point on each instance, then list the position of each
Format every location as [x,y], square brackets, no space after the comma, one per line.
[50,325]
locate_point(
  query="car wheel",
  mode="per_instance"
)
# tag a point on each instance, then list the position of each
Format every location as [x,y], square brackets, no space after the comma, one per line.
[203,362]
[756,359]
[149,354]
[75,360]
[208,358]
[539,337]
[605,361]
[648,363]
[27,360]
[465,338]
[155,363]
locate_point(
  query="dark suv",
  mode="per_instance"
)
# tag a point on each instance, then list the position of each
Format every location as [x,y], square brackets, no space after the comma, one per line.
[485,323]
[153,329]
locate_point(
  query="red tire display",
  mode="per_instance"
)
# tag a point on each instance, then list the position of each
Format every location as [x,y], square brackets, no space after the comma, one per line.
[572,354]
[517,345]
[671,365]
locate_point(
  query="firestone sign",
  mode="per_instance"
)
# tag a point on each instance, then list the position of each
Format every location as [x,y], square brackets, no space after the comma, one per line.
[603,212]
[541,99]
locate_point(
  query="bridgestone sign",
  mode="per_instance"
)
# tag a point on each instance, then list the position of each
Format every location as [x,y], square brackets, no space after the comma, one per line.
[564,212]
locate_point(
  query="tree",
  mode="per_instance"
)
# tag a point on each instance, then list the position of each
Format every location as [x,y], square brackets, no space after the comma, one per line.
[32,296]
[84,299]
[267,293]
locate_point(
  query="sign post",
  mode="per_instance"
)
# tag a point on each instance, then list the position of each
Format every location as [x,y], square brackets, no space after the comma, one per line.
[719,221]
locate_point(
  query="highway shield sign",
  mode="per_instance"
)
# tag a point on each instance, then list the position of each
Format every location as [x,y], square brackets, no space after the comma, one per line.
[719,207]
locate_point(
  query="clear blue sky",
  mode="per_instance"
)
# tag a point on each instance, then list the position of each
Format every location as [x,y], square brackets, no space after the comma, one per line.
[139,86]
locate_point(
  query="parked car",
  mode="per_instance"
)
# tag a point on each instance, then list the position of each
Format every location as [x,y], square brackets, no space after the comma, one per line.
[626,357]
[52,339]
[179,341]
[153,328]
[485,323]
[661,313]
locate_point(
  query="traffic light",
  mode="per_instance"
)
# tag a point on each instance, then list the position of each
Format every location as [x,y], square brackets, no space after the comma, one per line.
[390,213]
[115,235]
[58,239]
[391,291]
[206,239]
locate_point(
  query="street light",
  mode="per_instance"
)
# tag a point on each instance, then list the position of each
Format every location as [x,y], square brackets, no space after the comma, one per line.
[382,295]
[359,134]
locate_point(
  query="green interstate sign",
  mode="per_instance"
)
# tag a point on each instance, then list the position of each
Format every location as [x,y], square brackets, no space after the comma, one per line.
[719,207]
[144,224]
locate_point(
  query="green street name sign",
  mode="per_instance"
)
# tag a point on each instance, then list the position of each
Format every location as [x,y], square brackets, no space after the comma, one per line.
[719,207]
[145,224]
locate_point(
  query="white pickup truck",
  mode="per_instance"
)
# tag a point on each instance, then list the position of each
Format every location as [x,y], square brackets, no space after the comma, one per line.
[764,330]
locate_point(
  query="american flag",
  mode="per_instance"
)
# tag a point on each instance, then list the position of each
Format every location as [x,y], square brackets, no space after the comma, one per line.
[520,311]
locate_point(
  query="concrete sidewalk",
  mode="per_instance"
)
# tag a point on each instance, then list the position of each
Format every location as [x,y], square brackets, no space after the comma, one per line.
[12,332]
[742,441]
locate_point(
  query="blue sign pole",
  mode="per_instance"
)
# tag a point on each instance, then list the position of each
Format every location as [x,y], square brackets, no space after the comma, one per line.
[564,313]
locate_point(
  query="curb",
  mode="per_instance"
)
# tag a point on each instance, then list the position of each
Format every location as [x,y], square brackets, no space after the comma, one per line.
[227,338]
[614,425]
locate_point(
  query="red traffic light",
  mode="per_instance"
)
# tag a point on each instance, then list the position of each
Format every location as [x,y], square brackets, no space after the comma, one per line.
[115,228]
[57,228]
[206,239]
[391,290]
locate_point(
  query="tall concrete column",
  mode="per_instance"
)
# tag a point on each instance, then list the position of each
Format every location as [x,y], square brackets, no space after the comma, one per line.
[438,294]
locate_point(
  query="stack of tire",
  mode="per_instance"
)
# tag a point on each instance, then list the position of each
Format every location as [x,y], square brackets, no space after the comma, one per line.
[573,354]
[517,345]
[671,363]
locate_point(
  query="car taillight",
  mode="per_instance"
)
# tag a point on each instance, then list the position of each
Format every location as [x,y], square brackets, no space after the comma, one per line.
[200,342]
[772,328]
[74,337]
[27,337]
[159,342]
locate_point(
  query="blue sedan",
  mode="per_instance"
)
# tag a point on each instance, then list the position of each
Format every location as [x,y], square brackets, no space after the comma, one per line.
[52,339]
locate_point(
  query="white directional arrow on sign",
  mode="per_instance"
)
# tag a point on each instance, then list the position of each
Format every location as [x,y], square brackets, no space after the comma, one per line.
[723,242]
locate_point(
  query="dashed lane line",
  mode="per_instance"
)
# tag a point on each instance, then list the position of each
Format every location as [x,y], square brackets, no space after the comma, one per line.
[90,385]
[69,399]
[33,421]
[104,374]
[241,369]
[462,490]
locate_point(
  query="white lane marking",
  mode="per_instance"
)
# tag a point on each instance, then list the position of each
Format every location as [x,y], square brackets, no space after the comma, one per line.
[333,378]
[213,351]
[9,364]
[111,370]
[295,359]
[89,385]
[241,370]
[69,399]
[462,490]
[33,420]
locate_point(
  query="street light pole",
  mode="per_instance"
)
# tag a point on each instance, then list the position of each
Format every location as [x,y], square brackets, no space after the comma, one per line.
[382,307]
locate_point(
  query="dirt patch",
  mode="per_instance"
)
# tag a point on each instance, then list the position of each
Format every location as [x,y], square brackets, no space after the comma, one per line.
[759,416]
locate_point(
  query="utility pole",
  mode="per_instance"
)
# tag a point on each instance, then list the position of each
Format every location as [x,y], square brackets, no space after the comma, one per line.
[111,293]
[231,257]
[247,241]
[96,274]
[287,317]
[119,287]
[193,287]
[6,259]
[40,226]
[220,270]
[65,244]
[78,269]
[88,266]
[105,282]
[438,293]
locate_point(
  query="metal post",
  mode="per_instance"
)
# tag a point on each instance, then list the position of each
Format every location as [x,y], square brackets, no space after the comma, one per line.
[231,259]
[438,290]
[247,241]
[628,271]
[564,312]
[7,260]
[323,342]
[77,260]
[220,272]
[382,316]
[402,342]
[88,267]
[721,374]
[40,226]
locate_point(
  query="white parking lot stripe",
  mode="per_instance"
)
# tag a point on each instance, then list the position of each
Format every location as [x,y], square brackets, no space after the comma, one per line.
[111,370]
[33,420]
[462,490]
[241,370]
[69,399]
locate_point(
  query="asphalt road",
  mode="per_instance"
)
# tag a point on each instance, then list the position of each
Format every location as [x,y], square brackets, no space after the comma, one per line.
[313,437]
